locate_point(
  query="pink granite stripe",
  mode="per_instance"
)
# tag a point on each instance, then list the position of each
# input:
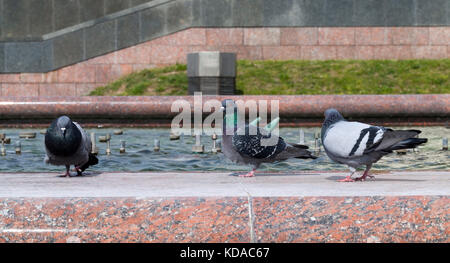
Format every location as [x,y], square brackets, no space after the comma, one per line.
[226,219]
[187,219]
[289,106]
[352,219]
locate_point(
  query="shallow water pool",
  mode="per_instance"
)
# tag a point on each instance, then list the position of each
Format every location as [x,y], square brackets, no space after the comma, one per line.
[177,155]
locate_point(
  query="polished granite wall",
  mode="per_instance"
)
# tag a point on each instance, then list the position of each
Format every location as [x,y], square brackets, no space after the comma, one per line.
[31,19]
[248,43]
[44,35]
[226,219]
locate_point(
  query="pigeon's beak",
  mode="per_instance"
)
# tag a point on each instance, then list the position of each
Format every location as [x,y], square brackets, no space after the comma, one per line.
[63,131]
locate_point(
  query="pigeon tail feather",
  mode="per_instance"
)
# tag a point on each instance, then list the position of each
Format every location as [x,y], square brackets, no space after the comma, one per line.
[296,151]
[408,143]
[93,160]
[394,139]
[301,146]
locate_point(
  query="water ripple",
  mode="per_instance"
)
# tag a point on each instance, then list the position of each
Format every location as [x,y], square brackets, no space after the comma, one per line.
[178,156]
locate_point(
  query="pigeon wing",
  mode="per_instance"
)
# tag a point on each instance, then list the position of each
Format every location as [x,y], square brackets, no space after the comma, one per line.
[348,139]
[251,146]
[390,138]
[85,139]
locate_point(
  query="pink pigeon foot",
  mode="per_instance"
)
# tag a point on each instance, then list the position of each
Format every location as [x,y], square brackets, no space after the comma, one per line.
[346,179]
[364,176]
[249,174]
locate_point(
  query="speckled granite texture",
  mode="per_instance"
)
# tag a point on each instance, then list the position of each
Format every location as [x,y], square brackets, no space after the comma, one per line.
[226,219]
[124,220]
[153,110]
[353,219]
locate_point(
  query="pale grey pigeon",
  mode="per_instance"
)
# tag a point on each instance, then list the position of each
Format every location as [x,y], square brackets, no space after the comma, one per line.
[249,149]
[356,144]
[66,143]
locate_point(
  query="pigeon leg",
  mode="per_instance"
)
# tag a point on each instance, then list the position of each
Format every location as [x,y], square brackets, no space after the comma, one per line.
[67,171]
[365,174]
[348,178]
[249,174]
[78,170]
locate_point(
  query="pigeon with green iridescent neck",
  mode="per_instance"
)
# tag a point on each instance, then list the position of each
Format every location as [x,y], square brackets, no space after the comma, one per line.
[269,127]
[356,144]
[245,145]
[66,143]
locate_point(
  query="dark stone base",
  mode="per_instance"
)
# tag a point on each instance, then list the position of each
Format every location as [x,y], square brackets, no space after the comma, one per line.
[212,85]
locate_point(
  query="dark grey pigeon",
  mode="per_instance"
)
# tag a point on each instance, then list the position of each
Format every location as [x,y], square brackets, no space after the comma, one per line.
[356,144]
[66,143]
[241,146]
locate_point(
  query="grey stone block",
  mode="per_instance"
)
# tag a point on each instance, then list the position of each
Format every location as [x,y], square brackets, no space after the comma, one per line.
[67,13]
[68,49]
[216,13]
[91,9]
[127,30]
[193,85]
[138,2]
[1,19]
[278,13]
[100,39]
[211,73]
[432,12]
[28,56]
[153,23]
[368,13]
[339,13]
[228,64]
[47,53]
[212,85]
[179,15]
[40,17]
[2,57]
[112,6]
[448,14]
[197,13]
[192,64]
[399,12]
[248,12]
[311,12]
[211,64]
[15,26]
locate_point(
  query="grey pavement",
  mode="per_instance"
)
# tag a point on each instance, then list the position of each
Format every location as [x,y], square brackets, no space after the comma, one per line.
[213,184]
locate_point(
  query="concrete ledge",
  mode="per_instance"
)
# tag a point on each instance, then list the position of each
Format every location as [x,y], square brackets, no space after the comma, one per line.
[294,110]
[216,207]
[211,184]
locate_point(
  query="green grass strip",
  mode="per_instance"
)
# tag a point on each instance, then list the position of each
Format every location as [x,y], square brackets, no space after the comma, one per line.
[296,77]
